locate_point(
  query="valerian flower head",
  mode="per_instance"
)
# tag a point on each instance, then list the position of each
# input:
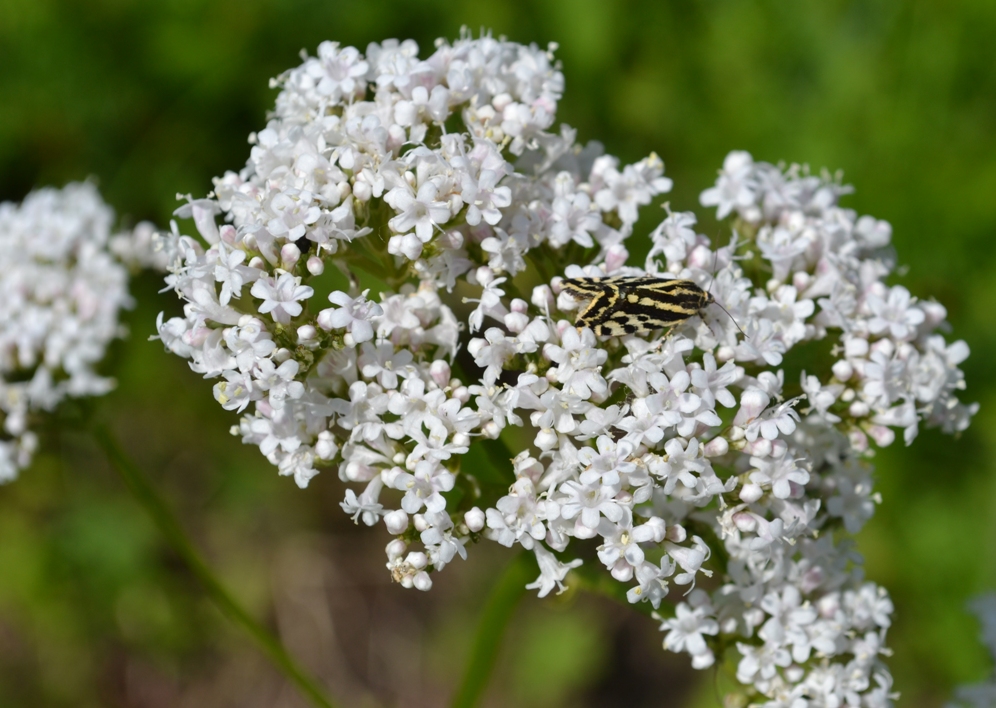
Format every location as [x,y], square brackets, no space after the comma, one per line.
[61,292]
[680,455]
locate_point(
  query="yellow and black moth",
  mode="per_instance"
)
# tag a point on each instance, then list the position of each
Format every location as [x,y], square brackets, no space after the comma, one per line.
[620,304]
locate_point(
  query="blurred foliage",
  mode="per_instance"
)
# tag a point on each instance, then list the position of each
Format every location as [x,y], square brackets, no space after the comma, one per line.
[152,99]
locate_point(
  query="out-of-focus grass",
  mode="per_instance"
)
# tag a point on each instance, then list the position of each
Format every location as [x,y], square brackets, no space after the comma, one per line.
[152,99]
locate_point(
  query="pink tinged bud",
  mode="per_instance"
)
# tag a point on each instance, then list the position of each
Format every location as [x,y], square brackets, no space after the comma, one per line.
[751,492]
[289,255]
[676,534]
[843,370]
[752,404]
[859,409]
[257,263]
[716,447]
[422,582]
[396,548]
[439,370]
[934,313]
[520,305]
[461,393]
[420,524]
[395,139]
[882,435]
[801,280]
[702,258]
[745,522]
[858,440]
[316,266]
[474,519]
[760,447]
[396,522]
[615,257]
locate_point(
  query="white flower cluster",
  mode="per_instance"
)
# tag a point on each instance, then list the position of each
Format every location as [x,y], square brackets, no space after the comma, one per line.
[982,694]
[399,167]
[689,457]
[60,295]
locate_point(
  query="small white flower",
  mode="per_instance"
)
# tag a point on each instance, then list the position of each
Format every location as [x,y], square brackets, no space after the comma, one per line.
[352,314]
[280,296]
[552,572]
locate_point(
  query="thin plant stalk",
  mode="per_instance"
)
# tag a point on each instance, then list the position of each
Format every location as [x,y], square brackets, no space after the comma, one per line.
[168,525]
[498,609]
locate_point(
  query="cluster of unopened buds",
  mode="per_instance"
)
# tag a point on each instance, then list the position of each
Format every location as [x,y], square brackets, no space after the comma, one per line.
[701,474]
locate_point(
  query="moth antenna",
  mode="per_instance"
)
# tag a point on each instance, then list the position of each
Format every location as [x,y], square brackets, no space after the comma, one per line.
[715,258]
[732,318]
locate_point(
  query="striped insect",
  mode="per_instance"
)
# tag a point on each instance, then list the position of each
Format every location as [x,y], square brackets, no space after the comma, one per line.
[618,305]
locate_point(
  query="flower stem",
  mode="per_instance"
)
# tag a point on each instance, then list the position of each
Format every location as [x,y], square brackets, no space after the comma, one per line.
[168,525]
[494,619]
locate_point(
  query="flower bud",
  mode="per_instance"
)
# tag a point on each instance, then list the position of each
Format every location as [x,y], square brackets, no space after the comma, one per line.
[316,266]
[751,492]
[716,447]
[542,298]
[745,522]
[417,559]
[396,548]
[439,370]
[855,347]
[306,334]
[882,435]
[422,581]
[676,533]
[289,255]
[325,446]
[474,519]
[842,370]
[396,522]
[546,439]
[859,409]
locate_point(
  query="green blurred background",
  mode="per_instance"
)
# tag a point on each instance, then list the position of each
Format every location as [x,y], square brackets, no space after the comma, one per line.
[152,99]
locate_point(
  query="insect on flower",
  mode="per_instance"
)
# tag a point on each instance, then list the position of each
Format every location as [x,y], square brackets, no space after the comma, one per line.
[619,305]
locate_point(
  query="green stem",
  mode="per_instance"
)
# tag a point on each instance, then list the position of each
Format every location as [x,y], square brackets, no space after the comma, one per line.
[498,610]
[181,545]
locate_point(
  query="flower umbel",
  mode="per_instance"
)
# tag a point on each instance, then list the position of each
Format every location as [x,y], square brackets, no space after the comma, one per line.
[682,455]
